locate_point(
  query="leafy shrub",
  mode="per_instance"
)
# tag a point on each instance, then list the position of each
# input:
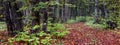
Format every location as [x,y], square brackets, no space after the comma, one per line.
[55,30]
[3,26]
[81,19]
[91,24]
[115,18]
[58,30]
[71,21]
[88,18]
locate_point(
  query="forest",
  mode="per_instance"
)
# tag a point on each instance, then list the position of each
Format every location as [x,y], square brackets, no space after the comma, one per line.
[59,22]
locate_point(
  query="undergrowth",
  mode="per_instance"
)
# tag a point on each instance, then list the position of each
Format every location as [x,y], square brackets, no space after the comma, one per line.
[3,26]
[80,19]
[91,24]
[56,31]
[89,21]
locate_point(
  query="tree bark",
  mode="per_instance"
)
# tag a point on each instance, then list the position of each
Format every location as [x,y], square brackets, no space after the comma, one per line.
[35,16]
[45,17]
[57,11]
[105,11]
[13,18]
[96,12]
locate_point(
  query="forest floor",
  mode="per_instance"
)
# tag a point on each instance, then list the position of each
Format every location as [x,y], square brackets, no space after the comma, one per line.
[80,34]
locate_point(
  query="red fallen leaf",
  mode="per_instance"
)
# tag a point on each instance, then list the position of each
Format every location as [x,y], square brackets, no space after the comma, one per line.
[81,32]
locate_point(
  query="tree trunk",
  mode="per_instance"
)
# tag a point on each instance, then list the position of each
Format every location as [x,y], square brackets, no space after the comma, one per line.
[57,12]
[105,11]
[35,16]
[66,11]
[96,12]
[1,11]
[63,12]
[13,18]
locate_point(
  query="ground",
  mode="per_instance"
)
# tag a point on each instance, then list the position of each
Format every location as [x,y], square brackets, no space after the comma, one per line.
[81,34]
[85,35]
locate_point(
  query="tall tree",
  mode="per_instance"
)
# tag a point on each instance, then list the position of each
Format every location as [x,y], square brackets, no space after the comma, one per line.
[96,12]
[13,17]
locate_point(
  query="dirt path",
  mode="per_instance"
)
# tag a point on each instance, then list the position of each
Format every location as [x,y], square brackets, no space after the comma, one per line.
[84,35]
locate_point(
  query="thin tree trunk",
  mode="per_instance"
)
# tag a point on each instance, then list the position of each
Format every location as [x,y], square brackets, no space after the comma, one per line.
[105,11]
[96,12]
[63,10]
[57,12]
[35,16]
[45,17]
[27,13]
[66,11]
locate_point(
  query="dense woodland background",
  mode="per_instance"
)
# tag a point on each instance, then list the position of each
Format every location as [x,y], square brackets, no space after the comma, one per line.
[46,18]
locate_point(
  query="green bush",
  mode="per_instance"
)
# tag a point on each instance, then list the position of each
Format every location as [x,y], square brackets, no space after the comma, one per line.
[3,26]
[55,30]
[88,18]
[80,19]
[91,24]
[71,21]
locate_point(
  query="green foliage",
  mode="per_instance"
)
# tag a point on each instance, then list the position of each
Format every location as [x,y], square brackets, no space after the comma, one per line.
[3,26]
[80,19]
[1,7]
[25,37]
[23,8]
[71,21]
[91,24]
[40,5]
[46,41]
[88,18]
[11,41]
[36,26]
[55,30]
[41,34]
[1,16]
